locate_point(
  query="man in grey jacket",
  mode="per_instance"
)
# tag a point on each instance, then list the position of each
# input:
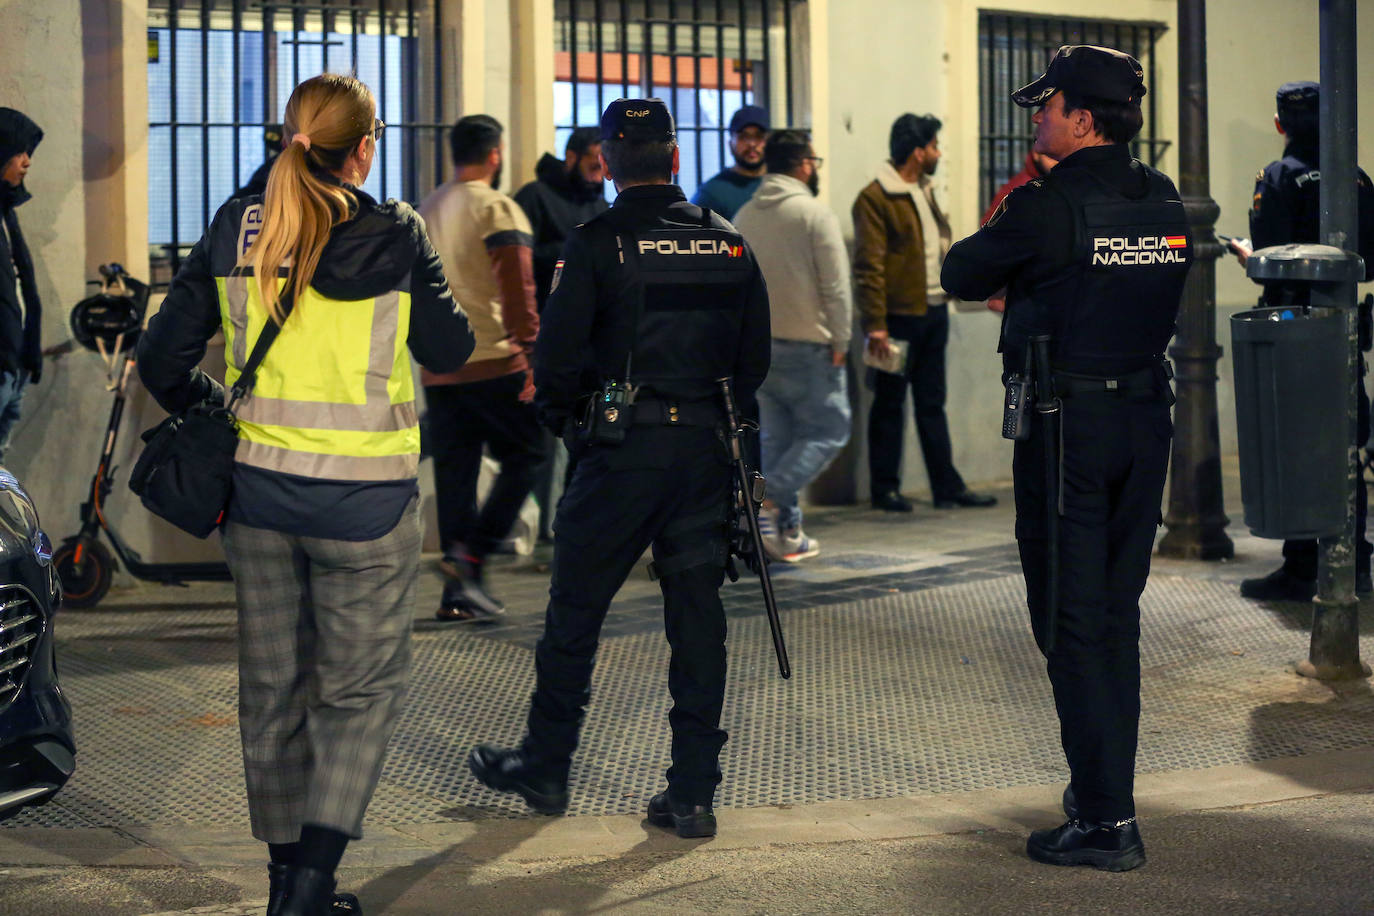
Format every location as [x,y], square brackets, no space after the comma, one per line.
[803,404]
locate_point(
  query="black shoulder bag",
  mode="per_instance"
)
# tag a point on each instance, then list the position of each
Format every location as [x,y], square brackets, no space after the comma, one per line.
[186,471]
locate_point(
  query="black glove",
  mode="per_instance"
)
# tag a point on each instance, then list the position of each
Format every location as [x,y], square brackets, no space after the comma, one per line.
[34,367]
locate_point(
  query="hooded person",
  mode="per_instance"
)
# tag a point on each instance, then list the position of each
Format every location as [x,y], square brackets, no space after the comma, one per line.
[21,311]
[565,194]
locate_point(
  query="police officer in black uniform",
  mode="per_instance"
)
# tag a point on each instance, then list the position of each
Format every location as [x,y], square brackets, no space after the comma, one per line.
[663,298]
[1094,255]
[1287,209]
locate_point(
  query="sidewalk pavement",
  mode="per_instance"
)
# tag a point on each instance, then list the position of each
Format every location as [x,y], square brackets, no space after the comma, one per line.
[898,772]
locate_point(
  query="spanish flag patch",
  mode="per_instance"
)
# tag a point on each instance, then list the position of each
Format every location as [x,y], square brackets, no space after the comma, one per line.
[557,273]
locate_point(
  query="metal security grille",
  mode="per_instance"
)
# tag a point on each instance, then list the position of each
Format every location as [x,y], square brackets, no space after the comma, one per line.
[705,58]
[1013,50]
[220,70]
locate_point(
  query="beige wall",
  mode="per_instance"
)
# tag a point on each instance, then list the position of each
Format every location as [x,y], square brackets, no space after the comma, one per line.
[889,57]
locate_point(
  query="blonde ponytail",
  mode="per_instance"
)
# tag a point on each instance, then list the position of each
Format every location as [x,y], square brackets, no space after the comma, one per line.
[326,116]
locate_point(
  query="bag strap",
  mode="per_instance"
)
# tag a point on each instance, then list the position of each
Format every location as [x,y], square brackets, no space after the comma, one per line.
[244,383]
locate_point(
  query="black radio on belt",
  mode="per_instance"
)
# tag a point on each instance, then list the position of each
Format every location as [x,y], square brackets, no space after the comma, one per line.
[609,413]
[1015,419]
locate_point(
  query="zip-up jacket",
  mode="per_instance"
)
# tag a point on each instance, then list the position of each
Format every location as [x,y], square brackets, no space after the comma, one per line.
[329,437]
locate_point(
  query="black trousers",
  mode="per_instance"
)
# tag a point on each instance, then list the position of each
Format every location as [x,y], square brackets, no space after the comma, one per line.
[1116,453]
[926,336]
[668,487]
[462,419]
[1300,557]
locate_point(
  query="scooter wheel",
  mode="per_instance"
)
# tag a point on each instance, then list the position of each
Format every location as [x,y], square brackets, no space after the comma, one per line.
[86,568]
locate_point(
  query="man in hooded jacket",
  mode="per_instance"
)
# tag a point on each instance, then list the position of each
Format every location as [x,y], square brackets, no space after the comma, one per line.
[564,195]
[21,312]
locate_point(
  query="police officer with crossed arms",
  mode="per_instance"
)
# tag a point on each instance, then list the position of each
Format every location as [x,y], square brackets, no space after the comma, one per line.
[1094,254]
[653,302]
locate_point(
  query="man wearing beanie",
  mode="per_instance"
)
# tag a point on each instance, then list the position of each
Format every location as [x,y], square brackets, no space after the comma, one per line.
[1287,209]
[900,239]
[21,312]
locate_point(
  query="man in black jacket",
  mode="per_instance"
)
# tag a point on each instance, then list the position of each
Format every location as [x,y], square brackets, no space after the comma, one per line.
[564,195]
[21,312]
[656,301]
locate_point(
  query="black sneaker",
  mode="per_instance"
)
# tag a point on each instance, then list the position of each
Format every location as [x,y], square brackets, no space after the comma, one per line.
[891,501]
[1111,847]
[506,770]
[1279,585]
[966,500]
[467,589]
[690,821]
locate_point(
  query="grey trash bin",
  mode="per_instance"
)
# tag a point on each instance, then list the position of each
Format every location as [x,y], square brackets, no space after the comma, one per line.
[1291,420]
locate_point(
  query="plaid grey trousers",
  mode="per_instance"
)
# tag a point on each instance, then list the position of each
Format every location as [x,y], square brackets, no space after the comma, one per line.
[324,659]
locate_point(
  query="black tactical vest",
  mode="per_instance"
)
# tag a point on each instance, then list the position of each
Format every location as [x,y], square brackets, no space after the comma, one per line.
[690,283]
[1132,257]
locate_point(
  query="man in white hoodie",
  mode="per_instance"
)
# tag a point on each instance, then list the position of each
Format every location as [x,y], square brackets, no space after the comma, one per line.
[804,403]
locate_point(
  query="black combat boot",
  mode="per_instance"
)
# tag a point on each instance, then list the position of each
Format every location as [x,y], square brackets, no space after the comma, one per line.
[1112,847]
[689,820]
[343,905]
[310,892]
[508,770]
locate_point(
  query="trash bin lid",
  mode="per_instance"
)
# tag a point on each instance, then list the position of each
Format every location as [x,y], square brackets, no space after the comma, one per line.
[1312,263]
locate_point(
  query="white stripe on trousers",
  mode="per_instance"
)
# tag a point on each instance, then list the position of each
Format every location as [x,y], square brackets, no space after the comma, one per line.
[324,663]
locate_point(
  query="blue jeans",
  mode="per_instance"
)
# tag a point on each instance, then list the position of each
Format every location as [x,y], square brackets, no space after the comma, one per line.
[12,382]
[803,421]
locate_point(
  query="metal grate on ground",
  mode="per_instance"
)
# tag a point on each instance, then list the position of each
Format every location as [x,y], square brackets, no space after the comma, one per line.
[932,690]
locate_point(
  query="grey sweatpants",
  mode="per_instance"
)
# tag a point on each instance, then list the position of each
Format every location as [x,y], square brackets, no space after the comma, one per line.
[324,659]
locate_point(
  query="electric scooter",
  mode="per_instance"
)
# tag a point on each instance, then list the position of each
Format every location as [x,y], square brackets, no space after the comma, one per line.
[109,323]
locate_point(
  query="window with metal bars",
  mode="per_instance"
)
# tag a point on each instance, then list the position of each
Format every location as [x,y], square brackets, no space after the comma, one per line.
[1013,50]
[705,58]
[220,70]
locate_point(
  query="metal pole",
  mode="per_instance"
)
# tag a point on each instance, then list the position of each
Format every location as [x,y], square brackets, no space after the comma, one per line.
[1334,653]
[1196,520]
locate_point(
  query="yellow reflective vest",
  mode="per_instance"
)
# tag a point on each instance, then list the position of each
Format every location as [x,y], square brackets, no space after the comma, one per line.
[334,396]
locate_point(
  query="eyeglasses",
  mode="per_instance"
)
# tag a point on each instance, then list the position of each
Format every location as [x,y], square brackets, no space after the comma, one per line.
[378,125]
[816,160]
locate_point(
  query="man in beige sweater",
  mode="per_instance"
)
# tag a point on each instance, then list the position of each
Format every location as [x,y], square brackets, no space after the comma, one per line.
[804,402]
[484,240]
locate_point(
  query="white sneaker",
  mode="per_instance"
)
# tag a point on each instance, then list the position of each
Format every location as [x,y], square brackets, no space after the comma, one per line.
[772,538]
[798,545]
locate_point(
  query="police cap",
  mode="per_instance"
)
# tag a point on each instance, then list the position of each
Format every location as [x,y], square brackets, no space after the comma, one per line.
[1086,70]
[1301,98]
[637,120]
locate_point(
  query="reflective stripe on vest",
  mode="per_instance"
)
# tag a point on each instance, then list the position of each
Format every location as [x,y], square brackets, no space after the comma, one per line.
[325,404]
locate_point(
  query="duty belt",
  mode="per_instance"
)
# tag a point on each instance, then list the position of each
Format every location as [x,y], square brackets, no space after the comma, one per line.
[653,411]
[1140,385]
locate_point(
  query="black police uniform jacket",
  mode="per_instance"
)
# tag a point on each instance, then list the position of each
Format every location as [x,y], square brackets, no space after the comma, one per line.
[655,273]
[1287,209]
[1095,254]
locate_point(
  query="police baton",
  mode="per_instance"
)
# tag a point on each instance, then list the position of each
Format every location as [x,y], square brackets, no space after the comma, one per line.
[750,499]
[1048,406]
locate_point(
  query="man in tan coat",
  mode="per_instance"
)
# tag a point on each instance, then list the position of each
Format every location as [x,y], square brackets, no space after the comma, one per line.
[900,240]
[484,240]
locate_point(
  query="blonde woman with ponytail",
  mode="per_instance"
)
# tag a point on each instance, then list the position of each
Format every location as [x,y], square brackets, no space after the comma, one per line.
[322,531]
